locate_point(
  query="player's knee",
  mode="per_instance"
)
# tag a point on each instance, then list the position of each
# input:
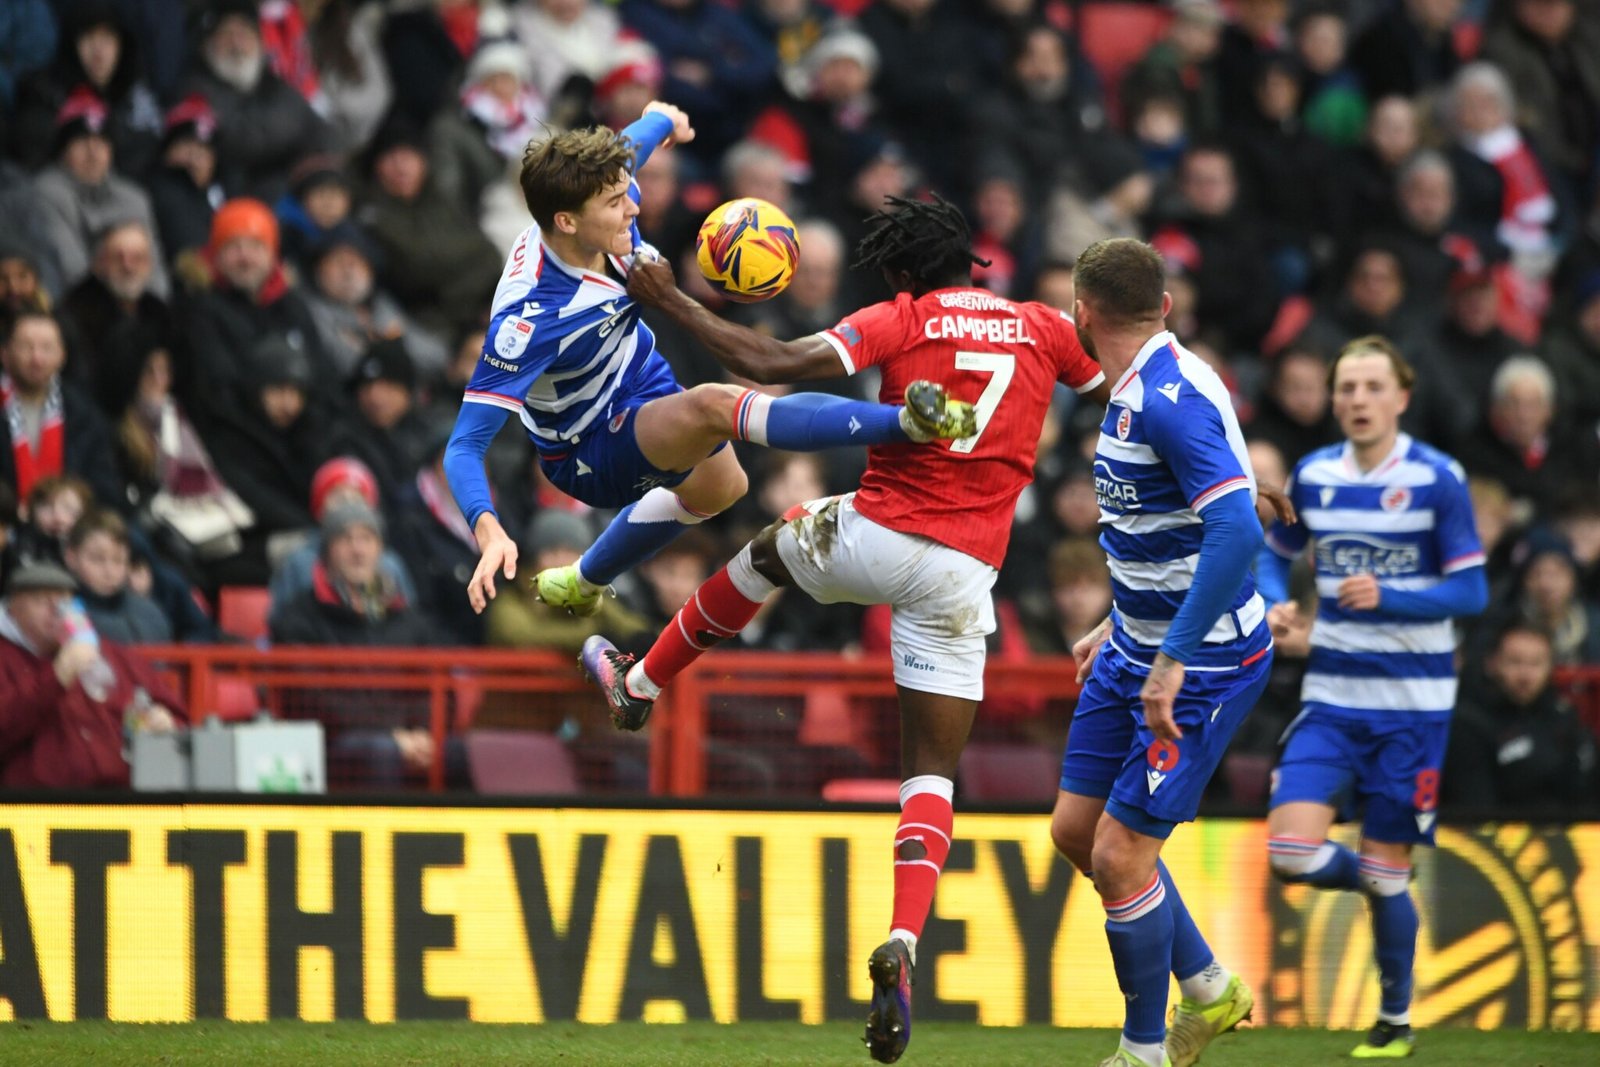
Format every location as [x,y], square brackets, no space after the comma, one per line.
[732,484]
[764,558]
[1073,844]
[1290,868]
[1114,863]
[711,407]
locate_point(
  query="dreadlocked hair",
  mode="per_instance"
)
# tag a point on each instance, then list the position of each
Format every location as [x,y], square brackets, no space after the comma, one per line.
[929,240]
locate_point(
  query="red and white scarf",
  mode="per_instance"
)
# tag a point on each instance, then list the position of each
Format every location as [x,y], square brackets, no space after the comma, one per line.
[442,505]
[508,126]
[1526,207]
[49,458]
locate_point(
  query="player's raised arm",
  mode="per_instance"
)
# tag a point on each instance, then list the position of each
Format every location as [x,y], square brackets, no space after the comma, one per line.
[744,351]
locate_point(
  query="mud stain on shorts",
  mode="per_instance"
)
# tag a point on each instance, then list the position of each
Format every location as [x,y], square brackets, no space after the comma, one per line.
[961,619]
[817,534]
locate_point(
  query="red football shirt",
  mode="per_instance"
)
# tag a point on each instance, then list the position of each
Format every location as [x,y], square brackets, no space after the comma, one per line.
[1005,357]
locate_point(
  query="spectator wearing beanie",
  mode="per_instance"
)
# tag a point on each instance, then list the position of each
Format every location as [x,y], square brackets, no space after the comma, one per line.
[80,194]
[95,50]
[250,299]
[377,738]
[317,202]
[436,261]
[479,143]
[263,123]
[267,449]
[630,81]
[352,312]
[183,187]
[387,431]
[340,481]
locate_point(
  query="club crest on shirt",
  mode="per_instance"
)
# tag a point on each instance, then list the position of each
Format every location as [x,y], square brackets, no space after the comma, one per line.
[1395,499]
[617,420]
[1124,424]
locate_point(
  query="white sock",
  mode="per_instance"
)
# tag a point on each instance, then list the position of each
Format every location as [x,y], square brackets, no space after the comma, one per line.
[1154,1055]
[639,683]
[585,586]
[1397,1019]
[1208,985]
[911,942]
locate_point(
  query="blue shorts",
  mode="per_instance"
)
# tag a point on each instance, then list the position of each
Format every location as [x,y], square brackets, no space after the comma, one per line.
[604,467]
[1386,771]
[1152,785]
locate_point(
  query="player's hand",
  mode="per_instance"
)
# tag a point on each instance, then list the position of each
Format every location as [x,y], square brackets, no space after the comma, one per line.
[499,556]
[682,132]
[1282,506]
[1087,647]
[1291,630]
[650,279]
[1159,692]
[1360,592]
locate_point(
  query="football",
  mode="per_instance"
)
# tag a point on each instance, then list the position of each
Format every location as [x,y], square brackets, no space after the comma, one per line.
[748,250]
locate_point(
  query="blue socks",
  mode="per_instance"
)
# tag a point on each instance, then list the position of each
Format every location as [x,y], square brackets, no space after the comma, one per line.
[639,531]
[1190,953]
[1394,933]
[807,422]
[1140,930]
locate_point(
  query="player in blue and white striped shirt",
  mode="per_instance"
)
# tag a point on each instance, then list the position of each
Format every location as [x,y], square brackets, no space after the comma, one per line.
[1180,662]
[568,354]
[1397,558]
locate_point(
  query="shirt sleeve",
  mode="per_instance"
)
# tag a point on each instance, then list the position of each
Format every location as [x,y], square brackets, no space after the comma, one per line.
[869,336]
[1454,526]
[1077,371]
[1190,438]
[518,347]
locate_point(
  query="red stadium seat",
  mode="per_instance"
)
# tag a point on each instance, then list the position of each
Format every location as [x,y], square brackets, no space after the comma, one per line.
[1009,772]
[520,762]
[231,699]
[862,791]
[242,611]
[1114,36]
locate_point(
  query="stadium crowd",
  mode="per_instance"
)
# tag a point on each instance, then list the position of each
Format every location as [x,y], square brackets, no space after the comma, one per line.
[247,250]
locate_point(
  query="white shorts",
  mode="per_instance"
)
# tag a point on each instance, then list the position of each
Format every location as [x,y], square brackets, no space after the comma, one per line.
[940,597]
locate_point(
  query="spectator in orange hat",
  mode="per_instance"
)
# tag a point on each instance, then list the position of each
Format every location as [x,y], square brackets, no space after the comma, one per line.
[250,299]
[184,186]
[81,195]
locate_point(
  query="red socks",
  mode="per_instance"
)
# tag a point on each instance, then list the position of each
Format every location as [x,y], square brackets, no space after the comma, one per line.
[925,817]
[716,612]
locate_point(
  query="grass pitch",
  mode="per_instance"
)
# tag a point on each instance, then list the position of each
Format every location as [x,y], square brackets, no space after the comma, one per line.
[709,1044]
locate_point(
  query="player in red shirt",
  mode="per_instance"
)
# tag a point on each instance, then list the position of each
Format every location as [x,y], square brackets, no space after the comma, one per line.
[925,533]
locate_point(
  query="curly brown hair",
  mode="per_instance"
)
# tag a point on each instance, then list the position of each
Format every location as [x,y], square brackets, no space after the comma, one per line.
[562,172]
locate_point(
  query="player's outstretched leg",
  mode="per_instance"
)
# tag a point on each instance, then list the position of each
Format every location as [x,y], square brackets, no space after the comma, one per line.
[1139,928]
[1394,933]
[697,422]
[722,606]
[1214,1000]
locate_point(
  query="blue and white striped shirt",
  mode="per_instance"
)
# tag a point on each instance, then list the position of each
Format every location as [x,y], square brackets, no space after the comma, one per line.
[1170,445]
[1408,522]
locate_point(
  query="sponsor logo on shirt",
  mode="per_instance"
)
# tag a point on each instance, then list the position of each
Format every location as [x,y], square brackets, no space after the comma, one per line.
[1113,493]
[848,334]
[1357,553]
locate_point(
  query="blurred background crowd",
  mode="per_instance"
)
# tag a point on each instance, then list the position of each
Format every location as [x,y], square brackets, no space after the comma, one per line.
[247,249]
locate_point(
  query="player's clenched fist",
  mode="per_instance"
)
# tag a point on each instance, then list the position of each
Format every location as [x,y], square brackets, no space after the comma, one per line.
[650,280]
[682,132]
[1360,592]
